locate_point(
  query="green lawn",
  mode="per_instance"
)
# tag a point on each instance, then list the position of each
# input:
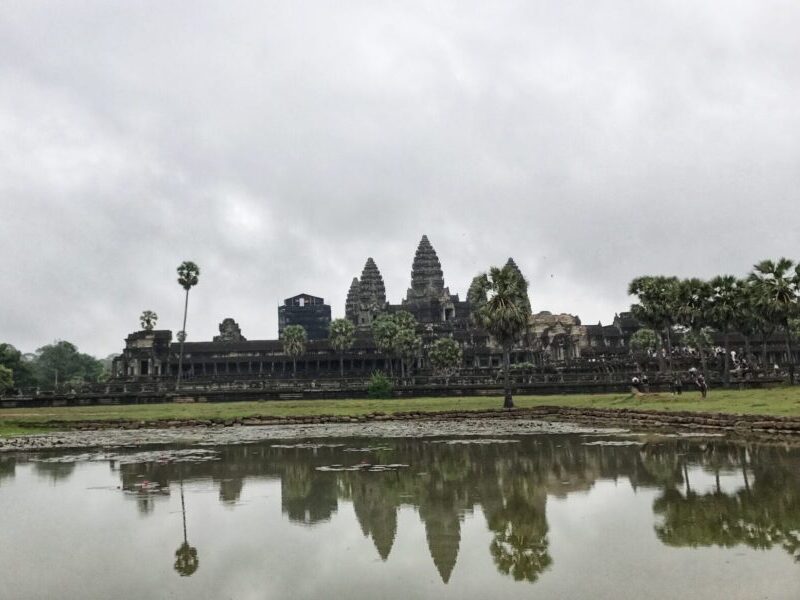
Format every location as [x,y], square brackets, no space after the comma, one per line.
[782,401]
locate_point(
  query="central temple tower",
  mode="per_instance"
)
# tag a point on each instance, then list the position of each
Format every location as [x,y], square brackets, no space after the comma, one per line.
[427,298]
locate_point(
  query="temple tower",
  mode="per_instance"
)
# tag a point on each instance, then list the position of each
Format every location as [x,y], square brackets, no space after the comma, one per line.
[510,263]
[427,298]
[351,304]
[366,298]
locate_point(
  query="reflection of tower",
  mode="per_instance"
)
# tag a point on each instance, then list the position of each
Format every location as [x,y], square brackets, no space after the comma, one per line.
[308,496]
[186,561]
[230,489]
[443,530]
[376,513]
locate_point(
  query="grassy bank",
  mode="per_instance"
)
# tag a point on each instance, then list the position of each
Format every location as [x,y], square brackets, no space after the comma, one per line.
[781,401]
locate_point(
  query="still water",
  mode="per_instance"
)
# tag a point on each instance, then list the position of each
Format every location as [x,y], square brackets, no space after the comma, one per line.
[540,516]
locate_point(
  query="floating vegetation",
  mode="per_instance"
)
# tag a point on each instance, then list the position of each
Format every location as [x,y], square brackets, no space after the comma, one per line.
[363,467]
[369,449]
[613,443]
[307,445]
[480,441]
[128,458]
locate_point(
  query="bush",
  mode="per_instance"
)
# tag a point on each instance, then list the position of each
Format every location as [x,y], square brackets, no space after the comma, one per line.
[380,386]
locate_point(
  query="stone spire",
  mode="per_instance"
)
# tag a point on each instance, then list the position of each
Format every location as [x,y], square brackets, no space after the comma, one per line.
[351,304]
[371,289]
[426,271]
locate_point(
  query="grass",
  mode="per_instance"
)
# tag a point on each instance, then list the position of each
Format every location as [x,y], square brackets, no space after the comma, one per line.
[779,401]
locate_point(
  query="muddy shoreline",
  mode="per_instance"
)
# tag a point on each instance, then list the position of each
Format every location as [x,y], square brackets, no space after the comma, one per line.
[546,419]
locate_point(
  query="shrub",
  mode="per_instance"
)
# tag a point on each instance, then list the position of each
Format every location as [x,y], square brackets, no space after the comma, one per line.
[380,386]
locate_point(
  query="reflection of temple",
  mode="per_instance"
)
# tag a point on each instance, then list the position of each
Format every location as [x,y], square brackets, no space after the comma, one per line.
[509,484]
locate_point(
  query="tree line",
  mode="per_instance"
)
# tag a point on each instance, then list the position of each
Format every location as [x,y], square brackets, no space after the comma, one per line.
[55,365]
[764,302]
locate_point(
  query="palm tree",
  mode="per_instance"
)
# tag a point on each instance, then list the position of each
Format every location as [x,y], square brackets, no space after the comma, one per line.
[725,306]
[294,343]
[777,286]
[341,335]
[148,320]
[657,308]
[693,306]
[188,274]
[499,300]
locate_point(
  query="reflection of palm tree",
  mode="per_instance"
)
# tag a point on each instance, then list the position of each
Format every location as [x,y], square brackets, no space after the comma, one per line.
[520,545]
[186,561]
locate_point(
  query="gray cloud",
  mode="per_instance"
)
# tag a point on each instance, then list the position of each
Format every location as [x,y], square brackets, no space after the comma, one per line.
[280,144]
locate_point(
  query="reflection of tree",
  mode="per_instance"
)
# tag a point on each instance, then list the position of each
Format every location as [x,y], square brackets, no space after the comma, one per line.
[55,471]
[186,561]
[8,465]
[761,515]
[520,546]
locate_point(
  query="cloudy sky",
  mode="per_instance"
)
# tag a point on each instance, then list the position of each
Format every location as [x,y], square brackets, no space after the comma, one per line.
[280,144]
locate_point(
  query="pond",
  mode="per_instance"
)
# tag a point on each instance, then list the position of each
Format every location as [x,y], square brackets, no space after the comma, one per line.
[537,516]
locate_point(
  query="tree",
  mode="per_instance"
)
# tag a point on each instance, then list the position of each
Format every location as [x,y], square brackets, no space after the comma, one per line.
[499,301]
[294,343]
[148,320]
[657,307]
[61,362]
[644,341]
[693,310]
[777,286]
[188,276]
[341,336]
[407,344]
[22,369]
[445,356]
[384,330]
[724,308]
[6,379]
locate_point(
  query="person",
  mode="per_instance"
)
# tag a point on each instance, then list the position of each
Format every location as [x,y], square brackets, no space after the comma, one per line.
[636,385]
[678,385]
[702,385]
[645,383]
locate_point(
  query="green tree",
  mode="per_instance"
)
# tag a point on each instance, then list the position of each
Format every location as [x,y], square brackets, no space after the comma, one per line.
[148,320]
[188,276]
[445,356]
[384,331]
[294,343]
[407,344]
[644,341]
[693,310]
[776,287]
[6,379]
[657,308]
[499,305]
[22,370]
[61,362]
[341,336]
[725,306]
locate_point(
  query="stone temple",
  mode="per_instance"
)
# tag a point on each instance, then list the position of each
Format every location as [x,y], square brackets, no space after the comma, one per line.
[439,313]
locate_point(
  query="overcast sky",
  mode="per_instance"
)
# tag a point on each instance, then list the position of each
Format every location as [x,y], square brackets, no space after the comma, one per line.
[278,145]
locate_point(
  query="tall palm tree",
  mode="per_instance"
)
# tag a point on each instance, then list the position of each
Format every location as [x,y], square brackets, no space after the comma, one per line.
[294,343]
[148,320]
[657,308]
[693,306]
[777,287]
[188,274]
[725,306]
[341,335]
[499,305]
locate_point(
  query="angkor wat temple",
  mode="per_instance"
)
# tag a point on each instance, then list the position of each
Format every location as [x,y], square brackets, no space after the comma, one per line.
[552,339]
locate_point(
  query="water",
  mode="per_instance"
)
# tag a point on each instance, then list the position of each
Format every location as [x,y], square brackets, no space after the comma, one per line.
[543,516]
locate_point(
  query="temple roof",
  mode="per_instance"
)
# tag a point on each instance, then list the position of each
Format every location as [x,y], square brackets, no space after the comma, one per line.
[371,287]
[426,271]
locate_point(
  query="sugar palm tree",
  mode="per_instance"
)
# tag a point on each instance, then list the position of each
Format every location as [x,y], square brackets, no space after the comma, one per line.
[725,306]
[148,320]
[777,286]
[341,336]
[188,274]
[692,311]
[499,305]
[294,343]
[657,308]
